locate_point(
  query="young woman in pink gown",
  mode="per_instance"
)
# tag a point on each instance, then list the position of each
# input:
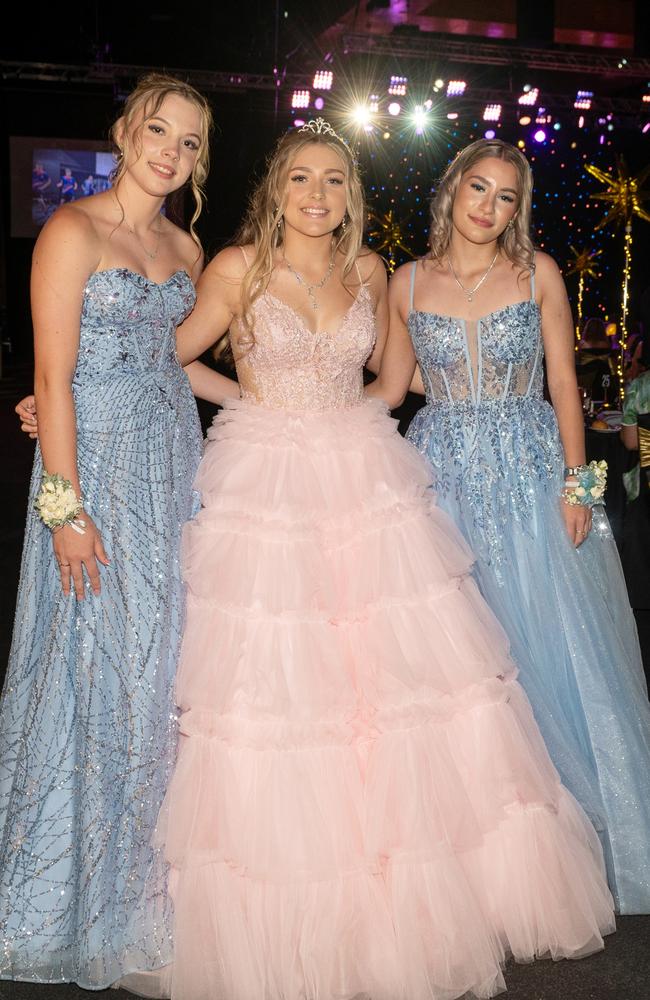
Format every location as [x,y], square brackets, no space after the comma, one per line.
[362,802]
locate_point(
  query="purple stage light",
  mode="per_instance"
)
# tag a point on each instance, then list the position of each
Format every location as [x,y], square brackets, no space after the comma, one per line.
[490,134]
[539,135]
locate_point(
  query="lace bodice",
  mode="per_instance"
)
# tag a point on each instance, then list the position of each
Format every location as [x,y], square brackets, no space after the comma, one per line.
[495,358]
[289,367]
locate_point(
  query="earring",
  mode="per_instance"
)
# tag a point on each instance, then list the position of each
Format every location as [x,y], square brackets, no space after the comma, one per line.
[344,224]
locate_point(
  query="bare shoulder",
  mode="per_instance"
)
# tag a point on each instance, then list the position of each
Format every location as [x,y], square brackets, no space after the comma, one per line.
[69,232]
[230,263]
[546,270]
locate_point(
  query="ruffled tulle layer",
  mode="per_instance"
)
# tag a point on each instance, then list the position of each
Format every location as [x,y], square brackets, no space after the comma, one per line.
[362,802]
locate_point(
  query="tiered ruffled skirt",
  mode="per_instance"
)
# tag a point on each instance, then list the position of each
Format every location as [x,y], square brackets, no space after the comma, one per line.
[362,802]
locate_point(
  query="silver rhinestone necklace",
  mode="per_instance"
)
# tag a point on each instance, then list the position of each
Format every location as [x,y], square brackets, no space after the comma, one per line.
[471,292]
[310,288]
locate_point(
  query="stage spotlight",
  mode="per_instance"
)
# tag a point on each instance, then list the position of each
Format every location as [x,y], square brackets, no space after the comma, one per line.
[298,122]
[489,133]
[557,126]
[521,143]
[646,127]
[362,115]
[300,99]
[492,113]
[452,116]
[397,86]
[323,79]
[438,84]
[394,108]
[524,120]
[529,96]
[386,135]
[456,87]
[419,117]
[583,100]
[373,103]
[319,103]
[646,98]
[581,121]
[539,135]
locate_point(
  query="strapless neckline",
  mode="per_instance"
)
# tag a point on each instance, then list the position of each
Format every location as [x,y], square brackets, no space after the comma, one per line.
[301,320]
[139,276]
[479,319]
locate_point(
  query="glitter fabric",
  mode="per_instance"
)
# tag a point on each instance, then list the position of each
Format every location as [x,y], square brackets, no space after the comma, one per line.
[494,447]
[362,804]
[87,719]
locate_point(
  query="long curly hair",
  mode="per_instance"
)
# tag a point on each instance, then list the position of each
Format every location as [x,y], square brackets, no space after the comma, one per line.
[147,98]
[515,240]
[263,227]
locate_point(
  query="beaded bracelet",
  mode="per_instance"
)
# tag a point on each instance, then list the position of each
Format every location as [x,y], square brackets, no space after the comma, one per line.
[590,486]
[57,504]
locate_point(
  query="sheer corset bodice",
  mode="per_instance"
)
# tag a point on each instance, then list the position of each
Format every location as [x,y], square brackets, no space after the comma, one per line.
[290,367]
[494,358]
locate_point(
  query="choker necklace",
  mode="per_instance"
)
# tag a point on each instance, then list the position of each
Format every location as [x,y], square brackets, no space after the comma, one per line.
[310,288]
[470,292]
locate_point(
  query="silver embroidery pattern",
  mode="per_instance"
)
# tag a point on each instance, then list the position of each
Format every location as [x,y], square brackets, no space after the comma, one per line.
[87,719]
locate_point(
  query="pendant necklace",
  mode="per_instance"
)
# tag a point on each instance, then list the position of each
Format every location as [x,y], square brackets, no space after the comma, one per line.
[470,292]
[151,254]
[310,288]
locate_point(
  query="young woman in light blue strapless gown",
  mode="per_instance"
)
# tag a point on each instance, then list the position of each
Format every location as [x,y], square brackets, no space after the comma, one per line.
[87,717]
[481,315]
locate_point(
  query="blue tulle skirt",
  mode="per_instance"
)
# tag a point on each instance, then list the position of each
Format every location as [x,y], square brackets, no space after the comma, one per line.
[498,469]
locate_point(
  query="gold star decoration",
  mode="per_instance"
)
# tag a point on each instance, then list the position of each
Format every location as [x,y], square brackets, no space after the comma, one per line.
[584,262]
[624,193]
[388,234]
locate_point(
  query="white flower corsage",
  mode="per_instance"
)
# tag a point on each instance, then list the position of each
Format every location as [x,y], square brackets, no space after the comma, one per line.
[58,504]
[590,486]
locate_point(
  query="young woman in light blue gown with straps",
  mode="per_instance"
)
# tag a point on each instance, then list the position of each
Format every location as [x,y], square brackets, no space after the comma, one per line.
[481,315]
[87,716]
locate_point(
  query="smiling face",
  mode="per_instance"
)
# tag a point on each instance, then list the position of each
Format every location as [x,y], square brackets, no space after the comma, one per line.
[163,145]
[486,200]
[315,196]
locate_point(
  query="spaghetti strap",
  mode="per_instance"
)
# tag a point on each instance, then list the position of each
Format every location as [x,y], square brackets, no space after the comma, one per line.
[245,257]
[532,280]
[413,270]
[361,281]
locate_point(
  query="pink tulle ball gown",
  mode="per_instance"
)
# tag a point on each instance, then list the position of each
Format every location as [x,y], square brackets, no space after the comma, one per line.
[362,802]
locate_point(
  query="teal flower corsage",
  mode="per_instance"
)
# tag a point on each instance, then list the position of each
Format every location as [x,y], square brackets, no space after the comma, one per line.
[58,504]
[589,489]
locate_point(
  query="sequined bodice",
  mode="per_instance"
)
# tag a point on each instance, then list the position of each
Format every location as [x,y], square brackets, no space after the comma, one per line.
[498,357]
[128,324]
[289,367]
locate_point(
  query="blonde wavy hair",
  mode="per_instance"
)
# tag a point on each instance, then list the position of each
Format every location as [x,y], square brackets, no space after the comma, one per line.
[146,99]
[263,224]
[515,241]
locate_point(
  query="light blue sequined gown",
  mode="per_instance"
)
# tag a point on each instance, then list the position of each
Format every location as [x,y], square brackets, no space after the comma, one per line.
[87,719]
[494,446]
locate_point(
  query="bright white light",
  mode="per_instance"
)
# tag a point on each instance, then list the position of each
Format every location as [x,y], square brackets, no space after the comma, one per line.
[394,108]
[323,79]
[373,103]
[300,99]
[419,117]
[456,87]
[529,96]
[362,115]
[452,116]
[397,86]
[583,100]
[438,83]
[492,113]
